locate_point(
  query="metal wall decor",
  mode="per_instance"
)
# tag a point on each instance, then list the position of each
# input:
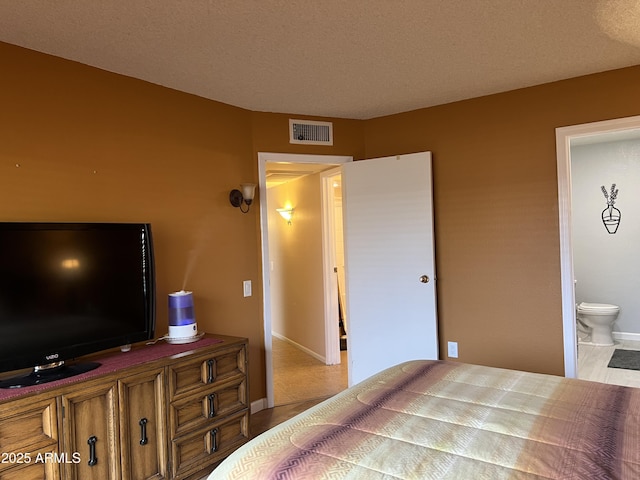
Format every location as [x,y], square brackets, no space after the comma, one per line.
[611,215]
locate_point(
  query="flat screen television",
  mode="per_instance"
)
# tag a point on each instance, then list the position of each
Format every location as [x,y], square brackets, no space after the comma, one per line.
[71,289]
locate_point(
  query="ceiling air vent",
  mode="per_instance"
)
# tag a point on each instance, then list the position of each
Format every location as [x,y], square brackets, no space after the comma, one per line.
[308,132]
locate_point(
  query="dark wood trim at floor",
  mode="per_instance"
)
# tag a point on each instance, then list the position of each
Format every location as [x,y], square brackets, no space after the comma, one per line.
[270,417]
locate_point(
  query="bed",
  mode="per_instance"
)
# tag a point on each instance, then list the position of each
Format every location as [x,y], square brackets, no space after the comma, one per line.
[448,420]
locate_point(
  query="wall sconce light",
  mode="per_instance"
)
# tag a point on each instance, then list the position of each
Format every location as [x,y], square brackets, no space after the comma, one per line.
[238,198]
[286,213]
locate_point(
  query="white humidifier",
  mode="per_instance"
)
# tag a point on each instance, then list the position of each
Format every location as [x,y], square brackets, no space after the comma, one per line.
[182,320]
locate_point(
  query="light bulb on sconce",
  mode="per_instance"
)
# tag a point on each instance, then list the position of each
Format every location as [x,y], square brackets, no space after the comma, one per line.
[245,197]
[286,213]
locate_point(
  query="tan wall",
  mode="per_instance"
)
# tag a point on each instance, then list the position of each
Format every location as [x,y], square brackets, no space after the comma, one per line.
[159,156]
[171,158]
[496,210]
[295,250]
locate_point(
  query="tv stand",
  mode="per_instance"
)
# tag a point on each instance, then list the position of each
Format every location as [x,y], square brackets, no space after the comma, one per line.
[39,376]
[160,411]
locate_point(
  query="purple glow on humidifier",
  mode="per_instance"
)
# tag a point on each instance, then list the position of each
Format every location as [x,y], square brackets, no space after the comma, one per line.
[182,319]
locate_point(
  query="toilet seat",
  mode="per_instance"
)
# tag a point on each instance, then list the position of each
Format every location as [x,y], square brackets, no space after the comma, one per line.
[598,308]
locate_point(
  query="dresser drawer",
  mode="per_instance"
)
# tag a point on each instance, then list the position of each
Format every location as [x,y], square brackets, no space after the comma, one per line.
[208,370]
[145,414]
[197,410]
[209,445]
[27,428]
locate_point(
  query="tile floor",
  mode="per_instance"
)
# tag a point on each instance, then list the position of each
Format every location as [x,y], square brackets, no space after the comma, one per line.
[593,361]
[299,377]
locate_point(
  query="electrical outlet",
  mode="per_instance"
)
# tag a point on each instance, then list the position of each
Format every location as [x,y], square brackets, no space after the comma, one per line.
[246,288]
[452,349]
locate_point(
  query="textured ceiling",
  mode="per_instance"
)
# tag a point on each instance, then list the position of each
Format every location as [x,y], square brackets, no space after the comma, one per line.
[353,59]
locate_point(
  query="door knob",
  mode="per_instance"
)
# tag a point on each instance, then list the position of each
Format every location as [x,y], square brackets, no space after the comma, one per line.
[424,279]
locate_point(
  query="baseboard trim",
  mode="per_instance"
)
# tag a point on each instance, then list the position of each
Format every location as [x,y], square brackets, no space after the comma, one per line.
[635,337]
[300,347]
[258,405]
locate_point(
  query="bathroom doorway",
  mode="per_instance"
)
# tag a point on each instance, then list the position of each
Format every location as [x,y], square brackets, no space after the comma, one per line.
[624,128]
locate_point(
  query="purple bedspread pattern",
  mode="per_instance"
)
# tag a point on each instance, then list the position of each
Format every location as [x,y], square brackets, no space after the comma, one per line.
[446,420]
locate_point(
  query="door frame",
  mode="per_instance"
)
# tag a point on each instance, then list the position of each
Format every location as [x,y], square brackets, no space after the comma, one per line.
[263,159]
[564,135]
[331,309]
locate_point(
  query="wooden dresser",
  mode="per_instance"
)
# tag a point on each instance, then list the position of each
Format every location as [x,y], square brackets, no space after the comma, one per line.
[157,412]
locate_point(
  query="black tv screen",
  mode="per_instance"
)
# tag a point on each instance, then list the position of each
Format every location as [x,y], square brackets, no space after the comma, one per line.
[70,289]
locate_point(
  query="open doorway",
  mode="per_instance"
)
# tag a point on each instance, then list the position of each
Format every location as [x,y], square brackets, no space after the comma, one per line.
[566,137]
[298,257]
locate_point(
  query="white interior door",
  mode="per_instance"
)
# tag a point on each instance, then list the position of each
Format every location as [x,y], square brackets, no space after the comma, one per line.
[389,262]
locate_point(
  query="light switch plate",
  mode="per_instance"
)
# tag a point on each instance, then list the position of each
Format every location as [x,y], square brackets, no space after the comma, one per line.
[246,288]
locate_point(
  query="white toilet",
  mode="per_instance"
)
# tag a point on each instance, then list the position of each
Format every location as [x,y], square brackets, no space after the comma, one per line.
[599,318]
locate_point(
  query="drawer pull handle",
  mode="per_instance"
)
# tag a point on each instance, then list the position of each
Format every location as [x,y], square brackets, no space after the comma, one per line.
[93,460]
[212,406]
[214,440]
[210,371]
[143,431]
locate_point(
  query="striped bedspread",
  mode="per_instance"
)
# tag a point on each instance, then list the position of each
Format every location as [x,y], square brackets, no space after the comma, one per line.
[446,420]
